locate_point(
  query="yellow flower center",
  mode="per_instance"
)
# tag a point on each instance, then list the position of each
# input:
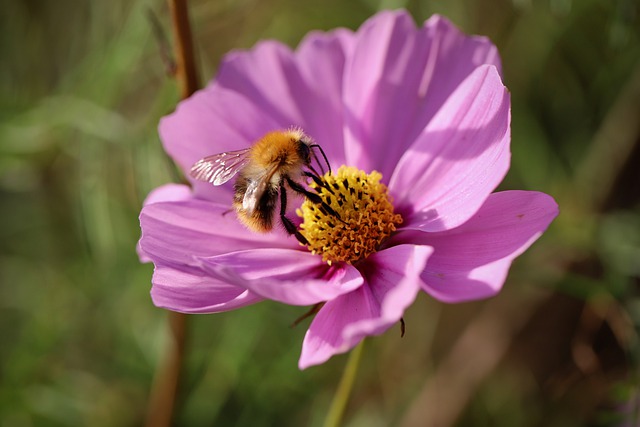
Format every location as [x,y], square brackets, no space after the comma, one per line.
[361,220]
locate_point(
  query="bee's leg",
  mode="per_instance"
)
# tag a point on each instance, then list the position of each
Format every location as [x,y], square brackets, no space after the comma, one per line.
[316,179]
[313,197]
[288,225]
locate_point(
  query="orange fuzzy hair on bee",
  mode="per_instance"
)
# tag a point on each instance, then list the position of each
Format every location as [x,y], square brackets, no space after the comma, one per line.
[278,147]
[274,163]
[276,156]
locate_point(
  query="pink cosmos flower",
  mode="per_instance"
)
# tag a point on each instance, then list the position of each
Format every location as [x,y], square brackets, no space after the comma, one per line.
[425,107]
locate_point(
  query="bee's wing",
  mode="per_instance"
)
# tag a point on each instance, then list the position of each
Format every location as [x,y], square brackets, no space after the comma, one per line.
[256,188]
[220,168]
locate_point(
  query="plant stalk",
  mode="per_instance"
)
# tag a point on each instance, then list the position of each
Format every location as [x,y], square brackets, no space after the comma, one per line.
[164,392]
[341,398]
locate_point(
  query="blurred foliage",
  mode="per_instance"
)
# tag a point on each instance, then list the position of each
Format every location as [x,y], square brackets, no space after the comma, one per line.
[82,88]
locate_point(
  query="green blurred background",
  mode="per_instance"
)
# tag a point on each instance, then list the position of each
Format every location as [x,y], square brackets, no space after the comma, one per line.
[83,86]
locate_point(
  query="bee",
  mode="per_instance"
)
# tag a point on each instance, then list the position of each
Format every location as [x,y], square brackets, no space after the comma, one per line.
[278,160]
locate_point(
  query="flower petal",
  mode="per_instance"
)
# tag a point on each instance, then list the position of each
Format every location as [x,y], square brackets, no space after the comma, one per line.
[211,121]
[288,276]
[190,290]
[392,283]
[444,178]
[169,193]
[301,89]
[177,231]
[260,90]
[472,261]
[165,193]
[321,58]
[396,80]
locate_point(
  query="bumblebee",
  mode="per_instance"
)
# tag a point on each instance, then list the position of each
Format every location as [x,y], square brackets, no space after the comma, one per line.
[278,160]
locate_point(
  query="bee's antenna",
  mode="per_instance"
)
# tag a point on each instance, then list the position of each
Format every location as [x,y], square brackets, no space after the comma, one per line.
[312,169]
[323,155]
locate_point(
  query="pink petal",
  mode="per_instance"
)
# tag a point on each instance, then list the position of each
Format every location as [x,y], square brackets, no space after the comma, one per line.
[472,261]
[176,232]
[321,58]
[189,290]
[454,56]
[392,283]
[257,91]
[301,89]
[462,155]
[212,121]
[397,79]
[289,276]
[169,193]
[165,193]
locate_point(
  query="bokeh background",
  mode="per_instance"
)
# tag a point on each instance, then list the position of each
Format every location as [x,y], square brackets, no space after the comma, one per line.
[82,87]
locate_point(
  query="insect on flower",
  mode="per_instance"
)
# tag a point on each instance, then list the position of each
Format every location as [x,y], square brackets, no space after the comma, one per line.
[419,121]
[277,158]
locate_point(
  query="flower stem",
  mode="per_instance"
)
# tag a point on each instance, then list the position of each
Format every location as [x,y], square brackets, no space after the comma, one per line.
[167,376]
[339,403]
[186,74]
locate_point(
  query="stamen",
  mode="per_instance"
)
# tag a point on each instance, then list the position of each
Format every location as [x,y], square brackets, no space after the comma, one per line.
[354,218]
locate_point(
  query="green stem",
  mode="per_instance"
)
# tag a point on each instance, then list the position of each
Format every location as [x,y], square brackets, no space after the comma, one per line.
[341,398]
[164,391]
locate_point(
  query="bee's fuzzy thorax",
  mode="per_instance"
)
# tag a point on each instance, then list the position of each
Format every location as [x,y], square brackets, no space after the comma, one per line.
[278,148]
[274,158]
[264,171]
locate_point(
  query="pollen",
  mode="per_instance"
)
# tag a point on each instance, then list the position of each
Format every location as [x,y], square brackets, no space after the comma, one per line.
[354,218]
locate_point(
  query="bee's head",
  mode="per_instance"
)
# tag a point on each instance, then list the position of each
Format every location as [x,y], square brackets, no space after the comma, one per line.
[304,145]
